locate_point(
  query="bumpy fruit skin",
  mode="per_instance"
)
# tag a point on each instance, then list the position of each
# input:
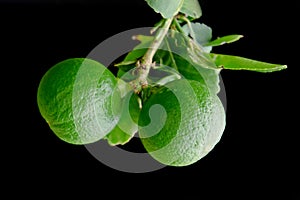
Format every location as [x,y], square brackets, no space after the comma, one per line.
[78,97]
[181,122]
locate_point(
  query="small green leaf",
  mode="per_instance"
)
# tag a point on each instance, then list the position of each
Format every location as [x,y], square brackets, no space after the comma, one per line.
[162,74]
[144,39]
[190,71]
[123,87]
[191,8]
[223,40]
[121,73]
[240,63]
[118,137]
[126,73]
[190,50]
[133,56]
[126,62]
[199,56]
[138,51]
[199,32]
[167,79]
[127,125]
[167,8]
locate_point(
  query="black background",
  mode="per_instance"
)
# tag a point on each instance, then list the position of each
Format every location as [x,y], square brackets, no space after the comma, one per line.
[258,152]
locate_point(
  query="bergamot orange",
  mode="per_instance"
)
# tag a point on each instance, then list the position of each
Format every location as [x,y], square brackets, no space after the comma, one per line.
[181,122]
[79,100]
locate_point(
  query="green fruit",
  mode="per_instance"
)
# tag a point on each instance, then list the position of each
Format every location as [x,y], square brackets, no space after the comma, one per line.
[78,99]
[181,122]
[127,125]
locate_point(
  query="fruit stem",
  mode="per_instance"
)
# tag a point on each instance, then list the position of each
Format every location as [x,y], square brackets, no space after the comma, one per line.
[144,65]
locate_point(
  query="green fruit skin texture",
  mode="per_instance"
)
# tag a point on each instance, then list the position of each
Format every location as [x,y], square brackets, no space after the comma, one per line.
[75,98]
[181,122]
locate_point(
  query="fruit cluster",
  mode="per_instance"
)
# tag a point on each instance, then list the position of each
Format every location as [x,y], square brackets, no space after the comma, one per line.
[165,90]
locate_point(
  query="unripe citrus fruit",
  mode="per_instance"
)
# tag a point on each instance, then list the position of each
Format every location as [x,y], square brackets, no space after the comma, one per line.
[78,99]
[181,122]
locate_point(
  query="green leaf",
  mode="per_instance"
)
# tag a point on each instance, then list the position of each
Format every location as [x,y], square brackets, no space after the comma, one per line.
[175,54]
[126,73]
[121,73]
[240,63]
[200,33]
[167,79]
[167,8]
[190,50]
[190,71]
[118,137]
[123,87]
[162,74]
[144,39]
[126,62]
[133,56]
[224,40]
[199,56]
[191,8]
[127,125]
[137,51]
